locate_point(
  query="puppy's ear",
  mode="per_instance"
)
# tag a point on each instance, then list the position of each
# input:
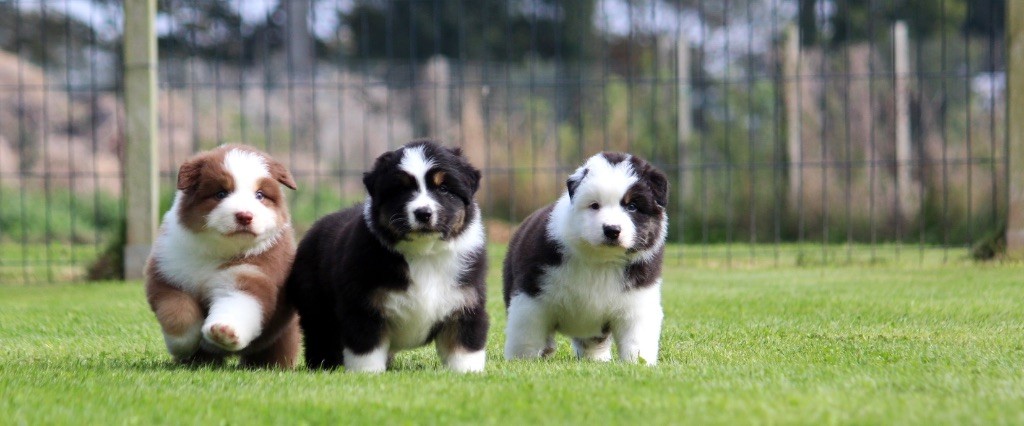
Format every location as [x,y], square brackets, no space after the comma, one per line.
[189,172]
[280,173]
[473,175]
[574,182]
[658,183]
[474,178]
[370,177]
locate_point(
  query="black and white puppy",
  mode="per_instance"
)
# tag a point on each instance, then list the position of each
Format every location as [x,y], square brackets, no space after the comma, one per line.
[589,266]
[404,269]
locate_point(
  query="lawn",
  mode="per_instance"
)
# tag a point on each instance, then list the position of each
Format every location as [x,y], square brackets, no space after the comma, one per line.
[918,341]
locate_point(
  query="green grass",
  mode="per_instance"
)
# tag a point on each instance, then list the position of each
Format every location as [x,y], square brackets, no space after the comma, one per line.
[899,342]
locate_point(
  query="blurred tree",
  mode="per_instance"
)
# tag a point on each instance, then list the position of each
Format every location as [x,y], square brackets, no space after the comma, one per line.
[22,30]
[844,21]
[474,29]
[986,17]
[207,29]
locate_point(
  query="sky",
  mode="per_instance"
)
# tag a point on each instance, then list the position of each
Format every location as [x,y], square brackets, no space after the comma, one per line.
[747,32]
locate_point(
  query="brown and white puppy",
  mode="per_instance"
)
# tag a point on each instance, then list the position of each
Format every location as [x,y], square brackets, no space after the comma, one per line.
[225,248]
[589,265]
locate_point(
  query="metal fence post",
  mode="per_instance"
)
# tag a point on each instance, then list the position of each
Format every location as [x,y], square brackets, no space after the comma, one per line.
[141,189]
[1015,128]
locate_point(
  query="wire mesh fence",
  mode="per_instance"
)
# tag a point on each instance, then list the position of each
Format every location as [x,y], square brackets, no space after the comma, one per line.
[810,131]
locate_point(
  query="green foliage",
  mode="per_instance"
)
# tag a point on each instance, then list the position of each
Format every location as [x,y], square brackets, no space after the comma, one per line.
[848,345]
[857,20]
[34,215]
[494,29]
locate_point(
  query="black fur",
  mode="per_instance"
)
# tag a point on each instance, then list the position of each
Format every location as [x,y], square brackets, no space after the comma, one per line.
[531,250]
[345,266]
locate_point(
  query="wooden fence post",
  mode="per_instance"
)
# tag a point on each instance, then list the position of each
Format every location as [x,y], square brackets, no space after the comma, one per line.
[908,198]
[791,97]
[685,126]
[141,190]
[1015,128]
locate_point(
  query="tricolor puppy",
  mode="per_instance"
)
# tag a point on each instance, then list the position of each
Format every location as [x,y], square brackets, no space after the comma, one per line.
[589,266]
[219,264]
[405,268]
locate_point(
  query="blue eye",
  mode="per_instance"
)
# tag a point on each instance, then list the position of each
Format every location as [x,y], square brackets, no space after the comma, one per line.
[631,207]
[221,195]
[259,195]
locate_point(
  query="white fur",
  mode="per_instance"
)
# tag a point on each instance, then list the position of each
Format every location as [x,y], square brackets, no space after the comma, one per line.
[246,169]
[192,261]
[637,332]
[375,361]
[594,351]
[465,362]
[582,228]
[237,310]
[433,292]
[434,266]
[580,298]
[529,327]
[587,291]
[415,163]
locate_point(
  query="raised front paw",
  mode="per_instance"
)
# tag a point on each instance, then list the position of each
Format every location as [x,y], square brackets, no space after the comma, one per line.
[223,336]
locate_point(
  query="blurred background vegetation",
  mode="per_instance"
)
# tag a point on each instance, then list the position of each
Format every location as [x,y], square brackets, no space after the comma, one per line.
[529,88]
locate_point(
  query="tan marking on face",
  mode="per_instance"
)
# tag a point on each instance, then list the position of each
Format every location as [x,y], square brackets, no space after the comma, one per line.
[459,220]
[438,178]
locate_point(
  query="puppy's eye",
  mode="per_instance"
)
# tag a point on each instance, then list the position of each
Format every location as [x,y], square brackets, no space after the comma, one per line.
[443,189]
[259,195]
[220,195]
[595,206]
[631,207]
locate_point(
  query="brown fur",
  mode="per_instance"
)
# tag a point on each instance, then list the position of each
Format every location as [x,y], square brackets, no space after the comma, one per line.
[438,178]
[177,311]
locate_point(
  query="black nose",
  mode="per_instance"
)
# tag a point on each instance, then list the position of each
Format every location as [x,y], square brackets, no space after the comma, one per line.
[422,214]
[612,231]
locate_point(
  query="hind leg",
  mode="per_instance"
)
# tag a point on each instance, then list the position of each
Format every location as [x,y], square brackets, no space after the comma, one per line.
[282,353]
[322,342]
[593,348]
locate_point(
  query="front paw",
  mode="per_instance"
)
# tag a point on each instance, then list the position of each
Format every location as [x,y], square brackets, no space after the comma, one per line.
[223,336]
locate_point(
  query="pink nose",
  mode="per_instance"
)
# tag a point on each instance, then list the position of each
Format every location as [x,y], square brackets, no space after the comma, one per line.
[243,218]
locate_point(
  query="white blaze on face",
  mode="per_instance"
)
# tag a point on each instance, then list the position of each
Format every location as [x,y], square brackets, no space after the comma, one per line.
[416,164]
[246,169]
[604,185]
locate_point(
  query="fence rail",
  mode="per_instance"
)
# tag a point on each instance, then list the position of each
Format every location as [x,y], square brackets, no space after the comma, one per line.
[793,131]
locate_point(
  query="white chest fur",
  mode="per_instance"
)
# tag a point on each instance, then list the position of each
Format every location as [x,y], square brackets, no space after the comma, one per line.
[581,299]
[192,263]
[433,294]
